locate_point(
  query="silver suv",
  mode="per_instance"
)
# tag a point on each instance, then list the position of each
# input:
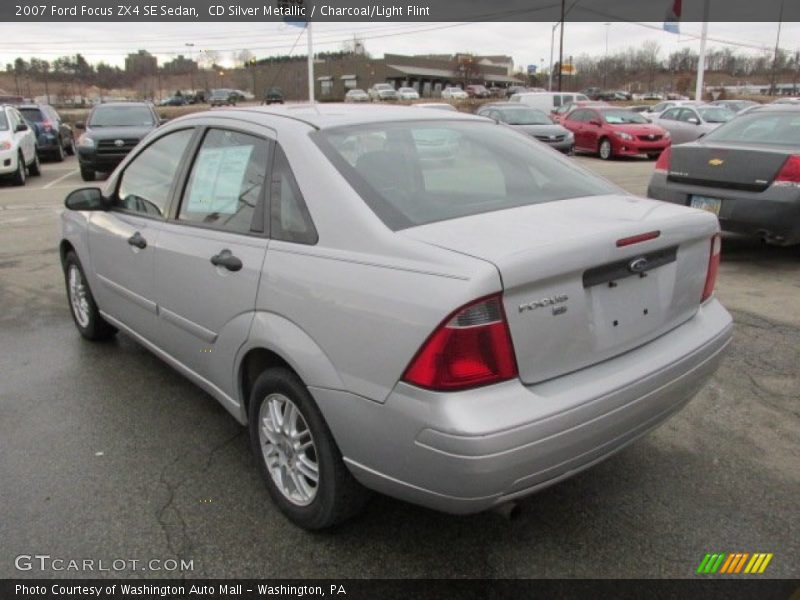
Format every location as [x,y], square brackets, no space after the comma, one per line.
[456,328]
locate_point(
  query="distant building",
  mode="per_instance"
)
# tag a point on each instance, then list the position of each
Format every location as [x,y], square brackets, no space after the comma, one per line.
[180,66]
[141,63]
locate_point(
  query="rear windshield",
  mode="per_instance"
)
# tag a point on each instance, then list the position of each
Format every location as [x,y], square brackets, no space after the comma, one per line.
[716,114]
[772,128]
[413,173]
[121,116]
[623,117]
[32,114]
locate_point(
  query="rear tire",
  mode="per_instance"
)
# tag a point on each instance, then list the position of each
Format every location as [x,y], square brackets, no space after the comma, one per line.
[83,308]
[58,153]
[71,147]
[87,174]
[606,151]
[286,442]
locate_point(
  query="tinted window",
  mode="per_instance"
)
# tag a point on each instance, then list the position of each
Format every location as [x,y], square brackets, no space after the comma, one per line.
[3,121]
[289,217]
[556,100]
[421,172]
[226,181]
[686,114]
[32,114]
[146,183]
[121,116]
[716,114]
[671,114]
[782,129]
[579,115]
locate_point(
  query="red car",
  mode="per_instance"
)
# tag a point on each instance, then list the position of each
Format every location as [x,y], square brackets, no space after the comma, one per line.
[477,91]
[611,132]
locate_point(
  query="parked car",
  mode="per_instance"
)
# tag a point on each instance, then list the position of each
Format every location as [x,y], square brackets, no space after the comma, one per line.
[174,101]
[454,93]
[407,93]
[54,137]
[735,106]
[515,89]
[436,106]
[455,335]
[18,155]
[687,123]
[655,111]
[497,92]
[786,101]
[531,121]
[593,93]
[110,133]
[548,101]
[477,91]
[611,132]
[356,95]
[223,97]
[746,172]
[639,108]
[559,113]
[652,96]
[273,95]
[382,92]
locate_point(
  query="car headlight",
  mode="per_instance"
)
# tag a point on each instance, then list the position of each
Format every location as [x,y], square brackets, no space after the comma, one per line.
[570,136]
[624,136]
[85,141]
[5,145]
[667,135]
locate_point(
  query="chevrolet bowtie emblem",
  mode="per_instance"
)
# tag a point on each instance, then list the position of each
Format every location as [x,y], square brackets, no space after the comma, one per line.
[715,162]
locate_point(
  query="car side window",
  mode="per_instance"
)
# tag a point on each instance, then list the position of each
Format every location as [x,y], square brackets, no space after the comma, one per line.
[685,115]
[670,115]
[577,115]
[290,220]
[147,181]
[557,100]
[226,181]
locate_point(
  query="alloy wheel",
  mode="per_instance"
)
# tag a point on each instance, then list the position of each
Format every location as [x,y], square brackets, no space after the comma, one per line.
[77,296]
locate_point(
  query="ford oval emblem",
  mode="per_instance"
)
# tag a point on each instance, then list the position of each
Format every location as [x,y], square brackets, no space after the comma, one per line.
[119,143]
[638,265]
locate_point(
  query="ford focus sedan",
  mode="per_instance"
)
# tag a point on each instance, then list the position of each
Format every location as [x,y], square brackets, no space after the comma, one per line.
[455,333]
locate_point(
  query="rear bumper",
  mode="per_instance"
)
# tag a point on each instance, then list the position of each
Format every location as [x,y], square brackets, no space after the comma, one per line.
[468,451]
[773,214]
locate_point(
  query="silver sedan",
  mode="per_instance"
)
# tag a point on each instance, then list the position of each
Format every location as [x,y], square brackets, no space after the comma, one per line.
[455,330]
[688,123]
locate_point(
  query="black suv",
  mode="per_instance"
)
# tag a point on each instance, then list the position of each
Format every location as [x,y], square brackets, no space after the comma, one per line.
[111,131]
[54,137]
[273,95]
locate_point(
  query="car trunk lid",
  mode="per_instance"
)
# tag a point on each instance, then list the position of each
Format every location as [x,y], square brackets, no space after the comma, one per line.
[572,296]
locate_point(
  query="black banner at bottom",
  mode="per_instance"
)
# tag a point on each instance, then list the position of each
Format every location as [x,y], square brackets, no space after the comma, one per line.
[387,589]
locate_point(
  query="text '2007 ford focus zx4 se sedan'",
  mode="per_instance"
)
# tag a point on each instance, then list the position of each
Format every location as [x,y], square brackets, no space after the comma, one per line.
[457,328]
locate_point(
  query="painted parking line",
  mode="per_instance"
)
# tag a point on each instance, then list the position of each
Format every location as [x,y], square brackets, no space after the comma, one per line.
[55,181]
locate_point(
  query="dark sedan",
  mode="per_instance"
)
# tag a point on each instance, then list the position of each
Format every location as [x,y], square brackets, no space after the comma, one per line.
[747,172]
[111,131]
[531,121]
[54,137]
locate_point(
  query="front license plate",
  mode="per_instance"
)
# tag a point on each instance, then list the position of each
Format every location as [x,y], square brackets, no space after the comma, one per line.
[712,205]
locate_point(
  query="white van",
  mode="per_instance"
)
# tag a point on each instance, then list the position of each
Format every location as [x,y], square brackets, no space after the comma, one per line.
[547,101]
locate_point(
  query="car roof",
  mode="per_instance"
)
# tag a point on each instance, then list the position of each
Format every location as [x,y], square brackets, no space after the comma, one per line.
[328,115]
[791,108]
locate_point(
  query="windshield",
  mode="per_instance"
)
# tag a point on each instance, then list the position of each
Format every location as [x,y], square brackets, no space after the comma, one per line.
[772,129]
[383,86]
[524,116]
[715,115]
[407,89]
[121,116]
[3,121]
[32,114]
[623,117]
[413,173]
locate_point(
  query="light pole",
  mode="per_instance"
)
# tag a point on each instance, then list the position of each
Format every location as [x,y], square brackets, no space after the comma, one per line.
[605,59]
[190,45]
[552,43]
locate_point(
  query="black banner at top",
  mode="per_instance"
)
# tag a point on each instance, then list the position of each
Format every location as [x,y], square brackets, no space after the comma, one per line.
[297,11]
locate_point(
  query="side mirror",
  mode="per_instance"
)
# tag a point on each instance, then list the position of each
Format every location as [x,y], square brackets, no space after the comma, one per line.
[80,125]
[90,198]
[21,127]
[595,122]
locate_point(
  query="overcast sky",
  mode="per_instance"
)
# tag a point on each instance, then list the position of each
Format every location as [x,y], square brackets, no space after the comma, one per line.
[527,43]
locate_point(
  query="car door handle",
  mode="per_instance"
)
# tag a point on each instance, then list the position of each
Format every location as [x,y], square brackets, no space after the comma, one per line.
[226,259]
[137,240]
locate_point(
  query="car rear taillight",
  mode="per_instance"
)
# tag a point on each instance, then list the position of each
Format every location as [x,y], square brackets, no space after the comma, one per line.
[662,164]
[713,267]
[789,173]
[472,347]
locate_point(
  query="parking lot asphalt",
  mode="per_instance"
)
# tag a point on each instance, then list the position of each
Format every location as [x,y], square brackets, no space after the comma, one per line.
[106,453]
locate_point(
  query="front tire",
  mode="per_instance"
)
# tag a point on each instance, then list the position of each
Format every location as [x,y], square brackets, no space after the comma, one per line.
[653,155]
[302,465]
[606,151]
[87,174]
[21,174]
[83,308]
[71,147]
[35,168]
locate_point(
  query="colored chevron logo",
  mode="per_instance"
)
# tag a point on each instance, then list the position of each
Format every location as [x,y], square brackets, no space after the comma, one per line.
[733,563]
